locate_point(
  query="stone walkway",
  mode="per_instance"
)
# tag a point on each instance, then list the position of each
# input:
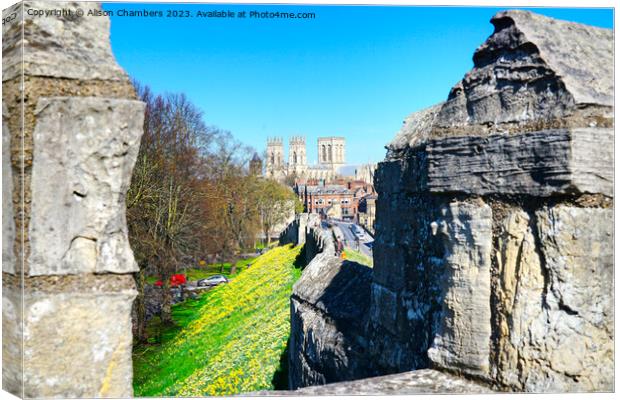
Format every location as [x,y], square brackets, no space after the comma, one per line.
[413,382]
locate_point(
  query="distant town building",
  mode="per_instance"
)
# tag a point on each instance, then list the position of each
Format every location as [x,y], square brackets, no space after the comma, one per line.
[318,199]
[331,152]
[256,165]
[274,166]
[366,212]
[332,157]
[366,173]
[334,211]
[338,201]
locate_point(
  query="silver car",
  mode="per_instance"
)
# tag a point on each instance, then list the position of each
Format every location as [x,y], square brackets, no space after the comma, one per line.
[213,280]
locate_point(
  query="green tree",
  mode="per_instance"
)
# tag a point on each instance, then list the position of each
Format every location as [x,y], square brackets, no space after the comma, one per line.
[276,203]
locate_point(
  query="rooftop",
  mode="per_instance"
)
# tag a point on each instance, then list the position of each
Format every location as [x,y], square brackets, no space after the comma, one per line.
[328,189]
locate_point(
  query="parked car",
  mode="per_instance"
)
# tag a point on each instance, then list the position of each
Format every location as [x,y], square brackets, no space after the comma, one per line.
[357,231]
[175,280]
[213,280]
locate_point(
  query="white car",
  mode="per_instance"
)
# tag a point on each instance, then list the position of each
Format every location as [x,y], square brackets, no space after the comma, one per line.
[213,280]
[357,231]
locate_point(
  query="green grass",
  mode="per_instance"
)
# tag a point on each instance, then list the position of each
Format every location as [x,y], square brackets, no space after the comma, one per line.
[263,245]
[225,269]
[358,257]
[230,340]
[183,313]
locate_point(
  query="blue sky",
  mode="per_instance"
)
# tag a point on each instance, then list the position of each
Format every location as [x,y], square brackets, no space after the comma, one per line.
[353,71]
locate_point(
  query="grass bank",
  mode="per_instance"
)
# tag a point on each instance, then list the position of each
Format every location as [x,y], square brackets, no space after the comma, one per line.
[358,257]
[228,341]
[194,274]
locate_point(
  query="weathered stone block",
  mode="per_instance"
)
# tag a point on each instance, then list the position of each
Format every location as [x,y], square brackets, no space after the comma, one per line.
[8,222]
[415,131]
[325,284]
[12,350]
[423,381]
[580,54]
[532,68]
[463,336]
[577,245]
[322,350]
[78,344]
[539,163]
[392,263]
[84,152]
[58,46]
[519,293]
[578,250]
[329,308]
[407,261]
[384,308]
[555,300]
[409,174]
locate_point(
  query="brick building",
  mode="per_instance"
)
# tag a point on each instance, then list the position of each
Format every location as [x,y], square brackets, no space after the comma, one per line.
[319,198]
[366,212]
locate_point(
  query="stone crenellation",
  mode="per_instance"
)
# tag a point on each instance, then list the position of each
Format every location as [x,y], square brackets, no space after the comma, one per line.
[67,265]
[493,252]
[320,350]
[295,232]
[497,184]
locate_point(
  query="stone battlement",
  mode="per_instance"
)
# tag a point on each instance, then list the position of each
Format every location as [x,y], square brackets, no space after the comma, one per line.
[67,280]
[493,252]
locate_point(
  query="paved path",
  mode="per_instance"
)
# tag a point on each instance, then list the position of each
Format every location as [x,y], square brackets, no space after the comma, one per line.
[351,239]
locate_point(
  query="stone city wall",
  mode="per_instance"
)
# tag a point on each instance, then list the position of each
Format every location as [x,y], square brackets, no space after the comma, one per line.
[494,232]
[71,133]
[295,232]
[493,255]
[329,308]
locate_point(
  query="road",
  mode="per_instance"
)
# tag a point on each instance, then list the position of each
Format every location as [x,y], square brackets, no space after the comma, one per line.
[352,241]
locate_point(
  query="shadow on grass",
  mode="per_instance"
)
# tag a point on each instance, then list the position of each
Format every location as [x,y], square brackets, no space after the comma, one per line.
[300,260]
[280,377]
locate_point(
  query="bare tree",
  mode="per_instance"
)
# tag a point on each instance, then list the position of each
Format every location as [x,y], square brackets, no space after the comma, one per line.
[192,193]
[163,200]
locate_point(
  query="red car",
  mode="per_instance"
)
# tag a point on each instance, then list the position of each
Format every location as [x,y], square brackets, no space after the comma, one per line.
[175,280]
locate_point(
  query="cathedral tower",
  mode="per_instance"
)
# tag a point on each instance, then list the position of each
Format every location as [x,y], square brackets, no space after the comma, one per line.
[275,167]
[297,162]
[332,152]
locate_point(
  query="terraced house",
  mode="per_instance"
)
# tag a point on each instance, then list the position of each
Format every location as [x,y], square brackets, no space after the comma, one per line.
[327,199]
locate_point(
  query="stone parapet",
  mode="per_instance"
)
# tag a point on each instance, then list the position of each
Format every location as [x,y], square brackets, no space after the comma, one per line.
[69,47]
[494,247]
[493,253]
[329,309]
[295,232]
[544,163]
[423,381]
[463,334]
[71,133]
